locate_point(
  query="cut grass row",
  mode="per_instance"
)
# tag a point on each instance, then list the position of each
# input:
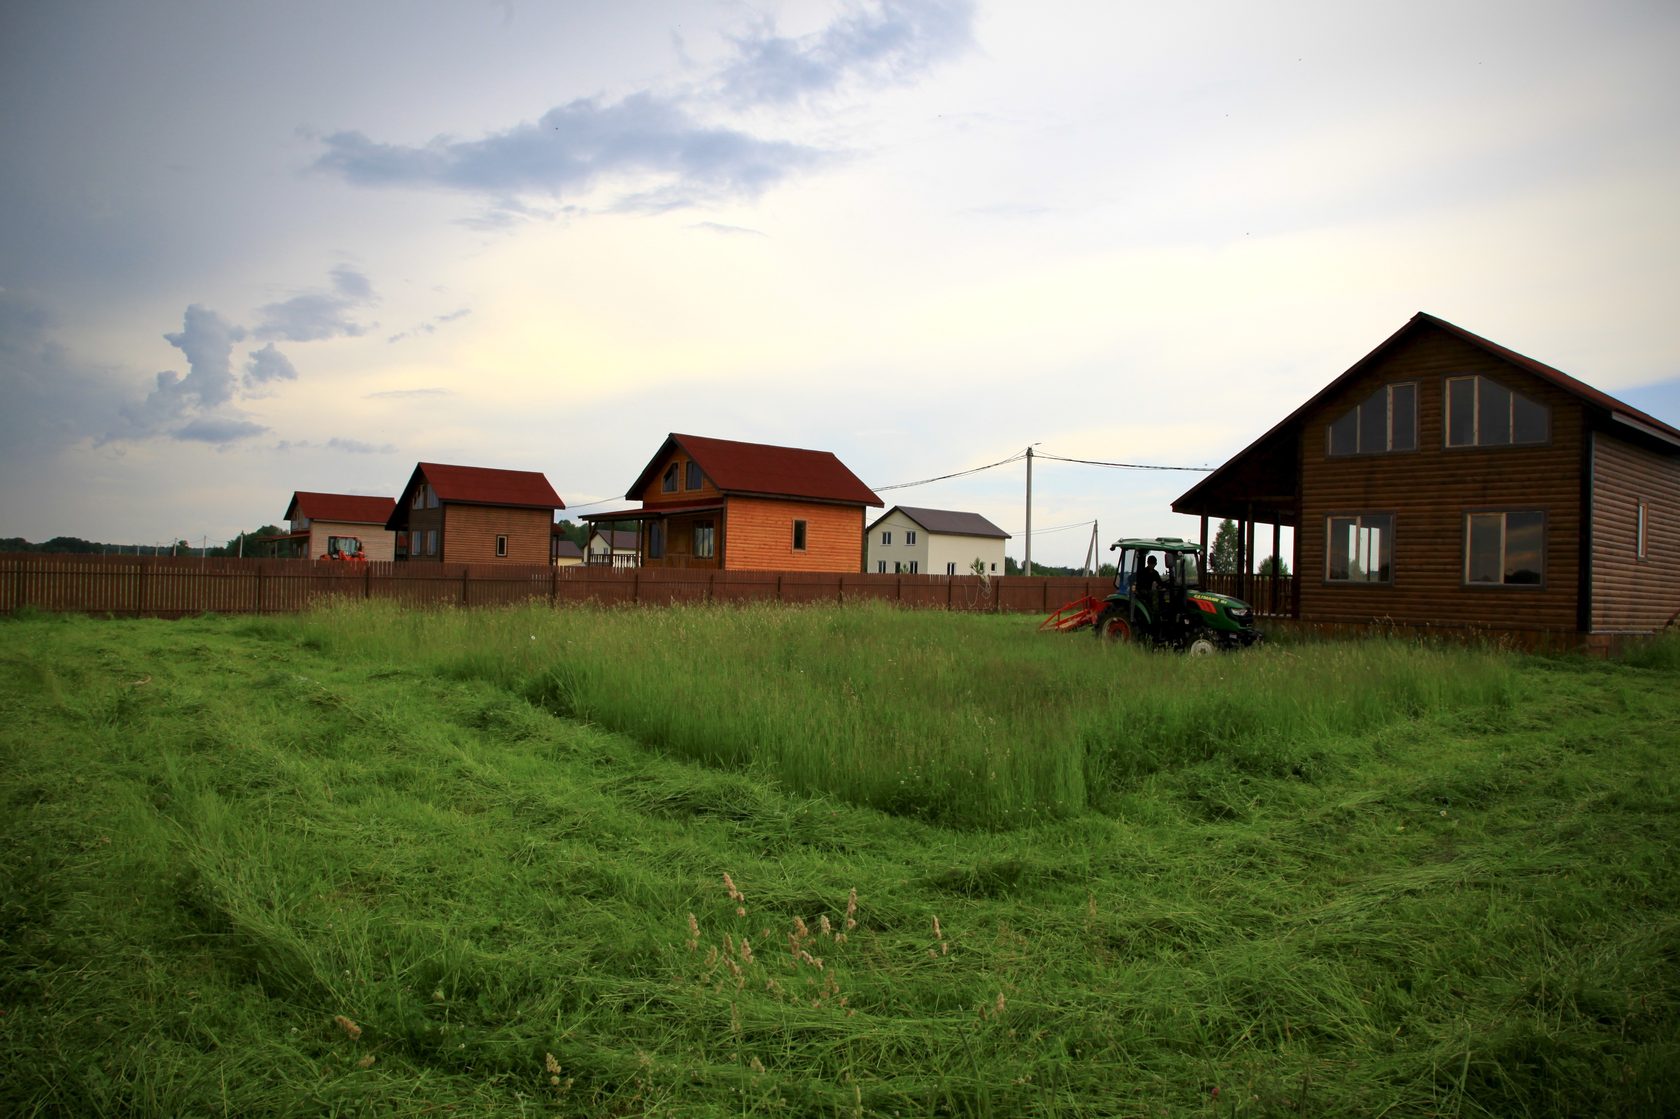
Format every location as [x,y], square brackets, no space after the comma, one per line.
[343,865]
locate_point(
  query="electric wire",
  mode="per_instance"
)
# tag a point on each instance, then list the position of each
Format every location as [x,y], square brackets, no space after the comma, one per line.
[959,474]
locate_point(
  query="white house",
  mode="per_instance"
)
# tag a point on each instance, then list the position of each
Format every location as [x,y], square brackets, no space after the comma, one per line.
[618,547]
[911,541]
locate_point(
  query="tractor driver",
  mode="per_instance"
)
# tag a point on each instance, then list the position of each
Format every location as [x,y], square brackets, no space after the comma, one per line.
[1149,580]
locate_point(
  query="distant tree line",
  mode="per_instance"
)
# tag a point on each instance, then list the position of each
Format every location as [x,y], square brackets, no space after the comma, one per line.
[75,545]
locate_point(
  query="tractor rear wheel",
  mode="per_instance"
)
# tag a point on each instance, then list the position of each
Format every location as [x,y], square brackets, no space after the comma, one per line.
[1113,626]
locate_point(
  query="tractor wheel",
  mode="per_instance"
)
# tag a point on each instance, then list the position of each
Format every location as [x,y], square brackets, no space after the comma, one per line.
[1113,626]
[1201,647]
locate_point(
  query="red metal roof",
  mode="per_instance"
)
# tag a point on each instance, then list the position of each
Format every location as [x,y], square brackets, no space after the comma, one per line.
[484,485]
[347,508]
[762,469]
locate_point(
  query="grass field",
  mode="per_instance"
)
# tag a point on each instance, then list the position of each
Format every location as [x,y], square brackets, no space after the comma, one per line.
[825,862]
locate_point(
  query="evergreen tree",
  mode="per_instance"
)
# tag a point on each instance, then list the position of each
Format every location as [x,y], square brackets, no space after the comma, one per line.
[1222,556]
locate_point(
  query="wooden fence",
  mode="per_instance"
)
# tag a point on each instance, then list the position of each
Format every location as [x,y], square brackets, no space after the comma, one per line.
[174,587]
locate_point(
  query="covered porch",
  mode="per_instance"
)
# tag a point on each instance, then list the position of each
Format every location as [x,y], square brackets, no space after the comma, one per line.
[1260,490]
[677,536]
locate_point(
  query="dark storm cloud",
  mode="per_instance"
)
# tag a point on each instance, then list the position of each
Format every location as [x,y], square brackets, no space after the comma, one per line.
[315,315]
[52,401]
[896,41]
[575,146]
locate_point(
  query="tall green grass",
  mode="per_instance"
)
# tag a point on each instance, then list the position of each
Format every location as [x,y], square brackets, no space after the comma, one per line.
[343,866]
[978,722]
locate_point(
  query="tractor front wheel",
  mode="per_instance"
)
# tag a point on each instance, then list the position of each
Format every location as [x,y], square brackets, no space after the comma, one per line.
[1113,626]
[1201,647]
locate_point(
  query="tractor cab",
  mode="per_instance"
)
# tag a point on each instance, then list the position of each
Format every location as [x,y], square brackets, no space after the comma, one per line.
[1158,600]
[345,548]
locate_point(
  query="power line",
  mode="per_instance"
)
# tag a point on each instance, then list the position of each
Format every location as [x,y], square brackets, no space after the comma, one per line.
[1123,465]
[958,474]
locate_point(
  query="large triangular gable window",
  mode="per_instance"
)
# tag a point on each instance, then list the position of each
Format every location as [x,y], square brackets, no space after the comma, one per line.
[1484,413]
[1384,422]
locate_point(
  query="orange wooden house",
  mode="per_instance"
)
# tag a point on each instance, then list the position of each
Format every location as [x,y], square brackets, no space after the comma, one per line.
[719,503]
[1446,481]
[476,514]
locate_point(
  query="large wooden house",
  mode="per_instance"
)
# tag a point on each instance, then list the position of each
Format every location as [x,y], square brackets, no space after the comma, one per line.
[1446,481]
[719,503]
[476,514]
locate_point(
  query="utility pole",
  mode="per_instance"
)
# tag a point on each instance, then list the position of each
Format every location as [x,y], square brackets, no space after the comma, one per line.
[1026,569]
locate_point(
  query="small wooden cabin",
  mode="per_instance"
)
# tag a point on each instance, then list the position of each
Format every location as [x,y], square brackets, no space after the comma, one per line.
[476,514]
[733,506]
[1446,481]
[315,519]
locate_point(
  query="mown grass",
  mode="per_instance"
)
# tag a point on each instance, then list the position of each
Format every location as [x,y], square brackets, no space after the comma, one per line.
[366,863]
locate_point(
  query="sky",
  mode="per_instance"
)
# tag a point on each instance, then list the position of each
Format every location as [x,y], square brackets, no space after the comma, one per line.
[253,248]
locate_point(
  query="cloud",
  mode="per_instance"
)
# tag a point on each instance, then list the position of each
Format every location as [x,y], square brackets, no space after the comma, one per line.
[727,230]
[317,315]
[268,364]
[894,41]
[207,340]
[574,147]
[51,400]
[218,429]
[653,148]
[430,326]
[407,394]
[338,443]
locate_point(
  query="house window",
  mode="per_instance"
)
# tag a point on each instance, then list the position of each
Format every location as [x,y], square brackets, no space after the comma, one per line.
[898,568]
[909,537]
[950,569]
[915,566]
[668,483]
[1359,548]
[419,501]
[703,539]
[1484,413]
[799,536]
[693,482]
[501,547]
[886,538]
[1505,549]
[880,567]
[431,498]
[1639,532]
[1384,422]
[431,542]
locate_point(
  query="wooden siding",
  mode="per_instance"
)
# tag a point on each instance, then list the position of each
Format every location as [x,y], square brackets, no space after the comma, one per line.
[1430,490]
[1630,595]
[655,493]
[378,543]
[760,536]
[470,531]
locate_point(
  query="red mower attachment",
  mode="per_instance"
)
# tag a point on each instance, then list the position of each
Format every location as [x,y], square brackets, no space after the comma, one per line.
[1078,614]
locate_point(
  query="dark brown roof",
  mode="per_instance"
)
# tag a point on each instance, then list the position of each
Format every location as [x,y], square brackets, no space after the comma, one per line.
[347,508]
[762,469]
[946,522]
[477,485]
[1263,474]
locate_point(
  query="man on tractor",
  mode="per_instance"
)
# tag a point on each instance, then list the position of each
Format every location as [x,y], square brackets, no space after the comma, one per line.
[1170,610]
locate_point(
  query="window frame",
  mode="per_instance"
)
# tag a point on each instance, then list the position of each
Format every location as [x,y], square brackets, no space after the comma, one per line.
[708,549]
[1386,390]
[1641,531]
[1476,442]
[801,535]
[1504,513]
[909,537]
[691,476]
[656,541]
[1359,519]
[501,545]
[886,537]
[668,480]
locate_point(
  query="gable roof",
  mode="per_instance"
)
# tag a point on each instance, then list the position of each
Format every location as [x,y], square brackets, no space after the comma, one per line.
[477,485]
[616,538]
[763,470]
[1272,457]
[946,522]
[346,508]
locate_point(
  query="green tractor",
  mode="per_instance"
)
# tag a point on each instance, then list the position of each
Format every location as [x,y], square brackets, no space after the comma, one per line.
[1158,600]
